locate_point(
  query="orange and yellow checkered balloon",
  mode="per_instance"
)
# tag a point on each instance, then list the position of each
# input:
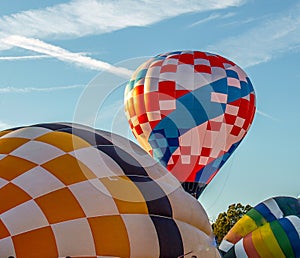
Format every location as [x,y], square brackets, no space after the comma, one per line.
[70,190]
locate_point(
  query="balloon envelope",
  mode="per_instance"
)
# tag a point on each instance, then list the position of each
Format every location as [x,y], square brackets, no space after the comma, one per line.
[80,192]
[190,110]
[270,229]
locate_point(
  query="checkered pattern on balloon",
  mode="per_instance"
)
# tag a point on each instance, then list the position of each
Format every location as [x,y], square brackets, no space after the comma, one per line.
[190,110]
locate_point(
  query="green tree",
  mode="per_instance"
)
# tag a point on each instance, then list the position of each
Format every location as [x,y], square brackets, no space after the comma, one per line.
[226,220]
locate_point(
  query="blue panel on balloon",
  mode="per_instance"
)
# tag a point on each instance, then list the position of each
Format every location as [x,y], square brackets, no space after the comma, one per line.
[292,235]
[234,94]
[232,74]
[220,86]
[265,212]
[141,74]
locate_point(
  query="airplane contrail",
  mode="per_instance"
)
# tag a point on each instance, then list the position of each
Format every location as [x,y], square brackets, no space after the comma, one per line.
[39,46]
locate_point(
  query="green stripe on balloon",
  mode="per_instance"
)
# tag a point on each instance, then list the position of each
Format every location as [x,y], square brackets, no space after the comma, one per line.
[257,217]
[282,239]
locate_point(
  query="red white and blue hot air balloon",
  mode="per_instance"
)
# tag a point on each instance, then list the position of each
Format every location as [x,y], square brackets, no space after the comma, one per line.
[190,110]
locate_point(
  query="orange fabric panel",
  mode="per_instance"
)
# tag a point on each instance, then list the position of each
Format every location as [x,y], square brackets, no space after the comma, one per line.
[11,167]
[64,141]
[110,236]
[60,205]
[3,230]
[68,169]
[249,246]
[131,207]
[8,145]
[11,196]
[4,132]
[36,244]
[243,227]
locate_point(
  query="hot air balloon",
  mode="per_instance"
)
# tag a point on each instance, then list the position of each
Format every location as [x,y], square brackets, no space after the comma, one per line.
[72,191]
[190,110]
[270,229]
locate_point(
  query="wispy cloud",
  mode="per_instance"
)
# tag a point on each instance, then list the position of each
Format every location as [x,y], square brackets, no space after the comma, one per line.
[64,55]
[266,115]
[4,125]
[211,17]
[246,21]
[207,19]
[28,57]
[6,90]
[79,18]
[17,58]
[85,17]
[260,44]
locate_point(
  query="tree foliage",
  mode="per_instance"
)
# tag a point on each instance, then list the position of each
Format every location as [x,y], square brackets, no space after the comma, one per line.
[226,220]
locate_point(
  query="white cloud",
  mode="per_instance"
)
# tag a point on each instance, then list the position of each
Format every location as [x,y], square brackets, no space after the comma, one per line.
[4,126]
[245,21]
[32,89]
[28,57]
[211,17]
[266,115]
[260,44]
[79,18]
[85,17]
[207,19]
[16,58]
[64,55]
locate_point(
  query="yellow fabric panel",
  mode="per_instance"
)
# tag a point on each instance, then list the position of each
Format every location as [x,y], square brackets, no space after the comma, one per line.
[68,169]
[110,236]
[4,132]
[8,145]
[60,205]
[127,196]
[32,244]
[3,230]
[64,141]
[11,167]
[270,241]
[131,207]
[242,228]
[11,196]
[259,243]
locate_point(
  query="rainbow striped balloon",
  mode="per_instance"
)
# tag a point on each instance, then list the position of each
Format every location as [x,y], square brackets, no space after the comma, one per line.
[270,229]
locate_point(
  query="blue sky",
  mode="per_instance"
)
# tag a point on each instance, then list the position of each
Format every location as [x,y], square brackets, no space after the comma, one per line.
[52,52]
